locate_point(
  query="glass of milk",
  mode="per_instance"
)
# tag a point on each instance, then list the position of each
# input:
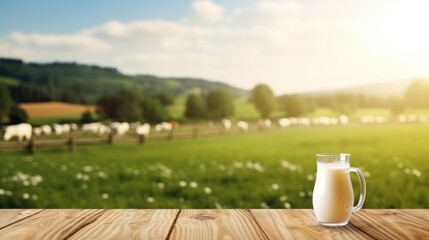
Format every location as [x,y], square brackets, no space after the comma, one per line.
[333,200]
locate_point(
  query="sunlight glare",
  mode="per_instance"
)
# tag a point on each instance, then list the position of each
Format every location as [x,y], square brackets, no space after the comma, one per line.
[399,30]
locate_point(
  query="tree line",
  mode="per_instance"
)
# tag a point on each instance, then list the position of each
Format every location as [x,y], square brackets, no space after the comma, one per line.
[135,105]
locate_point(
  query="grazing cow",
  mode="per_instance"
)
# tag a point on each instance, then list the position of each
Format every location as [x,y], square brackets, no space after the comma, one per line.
[37,131]
[21,131]
[61,128]
[46,129]
[266,123]
[284,122]
[120,128]
[164,126]
[344,119]
[243,126]
[95,127]
[143,129]
[226,123]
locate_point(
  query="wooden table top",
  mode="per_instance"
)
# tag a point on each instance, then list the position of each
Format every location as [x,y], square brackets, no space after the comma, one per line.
[208,224]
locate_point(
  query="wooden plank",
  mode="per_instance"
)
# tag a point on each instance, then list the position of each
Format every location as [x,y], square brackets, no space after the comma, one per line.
[421,213]
[216,224]
[300,224]
[390,224]
[51,224]
[10,216]
[130,224]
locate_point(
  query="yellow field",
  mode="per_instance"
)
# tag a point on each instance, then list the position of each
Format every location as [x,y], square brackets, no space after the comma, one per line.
[49,109]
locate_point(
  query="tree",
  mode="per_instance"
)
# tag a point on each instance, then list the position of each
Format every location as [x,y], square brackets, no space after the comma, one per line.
[416,95]
[153,110]
[195,107]
[6,101]
[165,98]
[122,106]
[397,105]
[263,99]
[87,117]
[219,103]
[293,105]
[17,115]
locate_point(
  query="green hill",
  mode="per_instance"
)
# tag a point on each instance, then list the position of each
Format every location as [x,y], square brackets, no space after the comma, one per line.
[79,83]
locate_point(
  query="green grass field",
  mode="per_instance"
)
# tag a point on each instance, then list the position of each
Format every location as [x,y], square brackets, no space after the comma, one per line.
[273,169]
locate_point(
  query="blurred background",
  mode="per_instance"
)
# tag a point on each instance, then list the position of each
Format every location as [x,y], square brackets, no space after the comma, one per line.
[210,104]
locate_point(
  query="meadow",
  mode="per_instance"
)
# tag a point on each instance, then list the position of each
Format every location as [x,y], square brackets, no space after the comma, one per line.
[271,169]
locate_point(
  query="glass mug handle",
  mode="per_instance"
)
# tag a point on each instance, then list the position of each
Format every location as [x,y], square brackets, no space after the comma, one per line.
[362,188]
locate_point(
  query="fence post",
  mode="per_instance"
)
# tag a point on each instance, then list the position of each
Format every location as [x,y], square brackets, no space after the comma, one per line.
[142,139]
[195,133]
[110,138]
[71,143]
[31,146]
[170,135]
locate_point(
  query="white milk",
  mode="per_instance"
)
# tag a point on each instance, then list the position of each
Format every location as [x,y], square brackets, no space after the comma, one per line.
[333,194]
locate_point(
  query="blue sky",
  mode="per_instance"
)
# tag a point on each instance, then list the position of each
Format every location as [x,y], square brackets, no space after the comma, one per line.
[291,45]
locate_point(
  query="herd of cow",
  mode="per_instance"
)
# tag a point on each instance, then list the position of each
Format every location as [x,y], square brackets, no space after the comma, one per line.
[25,131]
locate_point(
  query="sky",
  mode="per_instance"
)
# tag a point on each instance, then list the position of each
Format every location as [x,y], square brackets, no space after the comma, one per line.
[293,46]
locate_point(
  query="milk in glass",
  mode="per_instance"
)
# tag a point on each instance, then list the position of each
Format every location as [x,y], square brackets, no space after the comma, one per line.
[333,194]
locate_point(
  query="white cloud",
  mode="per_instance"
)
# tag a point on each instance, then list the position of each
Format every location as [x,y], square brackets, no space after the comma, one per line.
[205,11]
[269,41]
[78,41]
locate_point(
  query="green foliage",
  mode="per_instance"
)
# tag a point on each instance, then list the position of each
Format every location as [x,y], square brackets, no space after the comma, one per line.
[397,106]
[195,107]
[17,115]
[417,94]
[130,106]
[263,99]
[87,117]
[219,103]
[154,111]
[165,98]
[55,81]
[240,170]
[294,105]
[6,101]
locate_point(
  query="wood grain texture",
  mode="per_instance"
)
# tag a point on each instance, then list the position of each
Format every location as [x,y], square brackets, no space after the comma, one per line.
[130,224]
[300,224]
[390,224]
[10,216]
[420,213]
[216,224]
[208,224]
[51,224]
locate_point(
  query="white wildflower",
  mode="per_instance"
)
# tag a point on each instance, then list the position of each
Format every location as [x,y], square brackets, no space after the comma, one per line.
[26,196]
[275,186]
[193,184]
[207,190]
[182,184]
[105,196]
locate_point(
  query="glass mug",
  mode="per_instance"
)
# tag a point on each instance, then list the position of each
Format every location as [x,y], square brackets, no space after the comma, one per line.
[333,197]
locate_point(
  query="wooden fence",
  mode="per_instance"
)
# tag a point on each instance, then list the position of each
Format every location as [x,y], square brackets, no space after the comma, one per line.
[74,140]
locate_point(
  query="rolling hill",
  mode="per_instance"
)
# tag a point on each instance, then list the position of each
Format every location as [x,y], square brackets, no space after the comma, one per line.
[381,89]
[79,83]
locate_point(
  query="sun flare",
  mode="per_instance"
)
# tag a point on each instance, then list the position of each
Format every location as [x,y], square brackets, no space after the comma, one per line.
[400,29]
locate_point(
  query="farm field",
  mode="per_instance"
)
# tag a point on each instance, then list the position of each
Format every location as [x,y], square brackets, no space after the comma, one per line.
[271,169]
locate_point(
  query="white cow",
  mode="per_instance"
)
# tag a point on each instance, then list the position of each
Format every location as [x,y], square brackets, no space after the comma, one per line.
[226,123]
[243,126]
[120,128]
[61,128]
[46,129]
[21,131]
[164,126]
[284,122]
[143,129]
[264,123]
